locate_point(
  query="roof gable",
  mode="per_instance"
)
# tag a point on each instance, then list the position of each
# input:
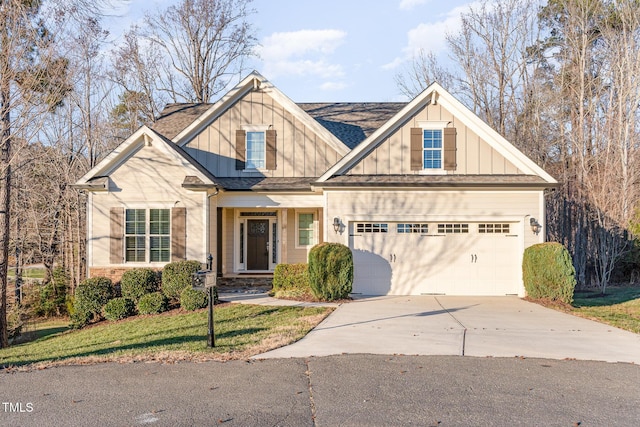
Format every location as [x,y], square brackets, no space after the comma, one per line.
[128,148]
[253,81]
[432,95]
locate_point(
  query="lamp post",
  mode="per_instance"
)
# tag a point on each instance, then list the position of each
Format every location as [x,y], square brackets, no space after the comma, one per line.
[211,342]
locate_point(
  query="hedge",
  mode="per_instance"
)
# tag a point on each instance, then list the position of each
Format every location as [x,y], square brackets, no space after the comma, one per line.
[191,300]
[153,303]
[119,308]
[548,273]
[90,296]
[176,276]
[138,282]
[291,276]
[330,271]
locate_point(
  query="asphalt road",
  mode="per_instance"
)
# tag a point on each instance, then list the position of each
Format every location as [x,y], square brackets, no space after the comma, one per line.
[345,390]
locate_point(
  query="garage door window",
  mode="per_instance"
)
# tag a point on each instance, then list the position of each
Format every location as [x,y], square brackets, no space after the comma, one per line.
[412,228]
[370,227]
[453,228]
[493,228]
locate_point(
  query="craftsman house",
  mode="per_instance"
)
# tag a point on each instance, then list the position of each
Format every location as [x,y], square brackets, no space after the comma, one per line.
[429,198]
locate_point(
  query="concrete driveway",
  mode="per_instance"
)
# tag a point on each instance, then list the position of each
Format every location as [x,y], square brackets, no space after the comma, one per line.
[464,326]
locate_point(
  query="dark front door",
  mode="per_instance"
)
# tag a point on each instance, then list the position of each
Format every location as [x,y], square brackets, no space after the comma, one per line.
[258,244]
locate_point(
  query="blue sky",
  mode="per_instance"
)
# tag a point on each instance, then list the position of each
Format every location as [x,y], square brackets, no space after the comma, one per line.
[334,50]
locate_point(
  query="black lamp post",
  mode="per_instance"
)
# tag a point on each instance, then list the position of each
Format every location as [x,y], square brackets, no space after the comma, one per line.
[211,342]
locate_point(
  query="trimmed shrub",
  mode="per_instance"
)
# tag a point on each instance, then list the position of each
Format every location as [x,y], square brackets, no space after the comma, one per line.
[138,282]
[289,276]
[330,271]
[152,303]
[119,308]
[90,296]
[291,280]
[191,300]
[176,276]
[548,273]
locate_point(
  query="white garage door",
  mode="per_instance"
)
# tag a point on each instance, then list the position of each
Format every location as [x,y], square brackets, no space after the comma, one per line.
[454,258]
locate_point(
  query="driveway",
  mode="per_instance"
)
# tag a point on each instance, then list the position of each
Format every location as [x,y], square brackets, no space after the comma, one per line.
[463,326]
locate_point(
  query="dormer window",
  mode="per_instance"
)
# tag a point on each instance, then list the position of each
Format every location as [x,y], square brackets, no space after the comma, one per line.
[433,147]
[255,148]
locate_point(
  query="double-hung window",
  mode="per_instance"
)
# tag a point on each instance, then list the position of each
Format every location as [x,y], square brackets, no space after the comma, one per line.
[147,235]
[432,149]
[256,150]
[306,229]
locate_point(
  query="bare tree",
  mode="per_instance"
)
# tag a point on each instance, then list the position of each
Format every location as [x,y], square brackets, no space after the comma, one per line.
[31,82]
[135,70]
[204,43]
[424,69]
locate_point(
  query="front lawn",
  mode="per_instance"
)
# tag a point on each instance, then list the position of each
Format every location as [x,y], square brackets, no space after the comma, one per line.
[620,307]
[241,331]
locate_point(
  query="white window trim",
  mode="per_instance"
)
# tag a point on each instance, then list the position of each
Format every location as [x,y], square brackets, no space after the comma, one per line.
[433,125]
[315,228]
[255,128]
[239,267]
[147,242]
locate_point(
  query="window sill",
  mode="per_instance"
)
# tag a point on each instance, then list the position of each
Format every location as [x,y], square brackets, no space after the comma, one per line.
[432,172]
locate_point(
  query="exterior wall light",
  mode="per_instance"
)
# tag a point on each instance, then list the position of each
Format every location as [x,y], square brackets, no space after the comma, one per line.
[336,224]
[535,226]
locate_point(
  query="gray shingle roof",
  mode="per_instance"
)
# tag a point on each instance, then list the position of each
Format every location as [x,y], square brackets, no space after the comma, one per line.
[350,122]
[266,184]
[176,117]
[436,181]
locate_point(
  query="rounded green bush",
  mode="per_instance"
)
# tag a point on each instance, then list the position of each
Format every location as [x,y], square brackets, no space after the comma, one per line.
[191,300]
[138,282]
[176,276]
[152,303]
[119,308]
[90,296]
[548,272]
[291,276]
[330,271]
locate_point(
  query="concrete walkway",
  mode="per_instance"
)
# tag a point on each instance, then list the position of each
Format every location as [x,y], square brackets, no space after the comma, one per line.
[444,325]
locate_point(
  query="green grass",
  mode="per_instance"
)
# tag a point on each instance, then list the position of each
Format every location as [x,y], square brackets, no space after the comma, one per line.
[27,273]
[240,331]
[619,307]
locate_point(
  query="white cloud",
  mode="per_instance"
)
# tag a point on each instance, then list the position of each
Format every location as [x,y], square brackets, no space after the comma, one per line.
[282,46]
[304,53]
[410,4]
[333,86]
[430,37]
[305,67]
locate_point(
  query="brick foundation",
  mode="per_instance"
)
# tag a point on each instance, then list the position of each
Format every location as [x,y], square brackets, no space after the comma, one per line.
[238,282]
[113,273]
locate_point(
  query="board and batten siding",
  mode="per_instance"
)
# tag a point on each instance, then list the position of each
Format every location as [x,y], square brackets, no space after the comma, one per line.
[149,179]
[300,152]
[473,155]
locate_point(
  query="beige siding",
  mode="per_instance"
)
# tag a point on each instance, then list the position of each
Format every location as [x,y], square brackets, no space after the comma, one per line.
[473,156]
[151,178]
[300,152]
[472,206]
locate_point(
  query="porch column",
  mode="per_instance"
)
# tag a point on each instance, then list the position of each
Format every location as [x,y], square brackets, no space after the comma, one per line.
[284,214]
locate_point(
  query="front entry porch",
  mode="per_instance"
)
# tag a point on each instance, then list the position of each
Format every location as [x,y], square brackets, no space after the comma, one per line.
[252,241]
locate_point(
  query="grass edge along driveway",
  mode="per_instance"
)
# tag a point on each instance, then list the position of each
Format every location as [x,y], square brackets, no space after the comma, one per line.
[241,331]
